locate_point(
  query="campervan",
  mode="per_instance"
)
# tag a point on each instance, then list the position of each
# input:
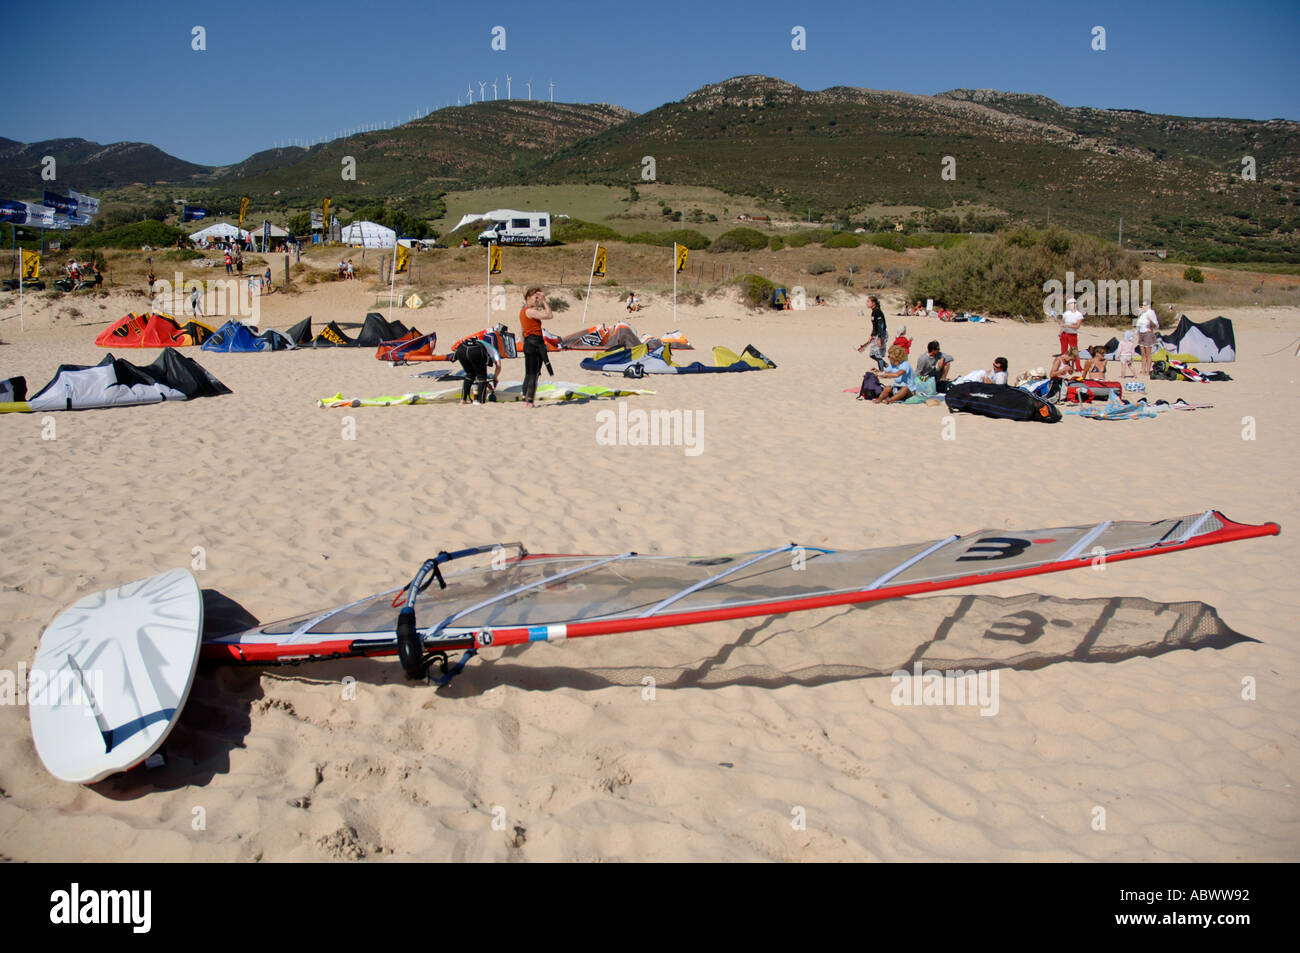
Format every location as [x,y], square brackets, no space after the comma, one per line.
[521,228]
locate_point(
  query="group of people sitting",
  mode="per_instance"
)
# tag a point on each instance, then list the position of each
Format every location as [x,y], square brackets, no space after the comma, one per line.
[346,271]
[897,376]
[920,310]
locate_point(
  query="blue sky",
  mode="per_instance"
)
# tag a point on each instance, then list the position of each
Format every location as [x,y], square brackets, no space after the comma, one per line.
[274,71]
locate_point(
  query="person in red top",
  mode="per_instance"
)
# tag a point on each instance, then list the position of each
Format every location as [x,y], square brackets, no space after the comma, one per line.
[536,309]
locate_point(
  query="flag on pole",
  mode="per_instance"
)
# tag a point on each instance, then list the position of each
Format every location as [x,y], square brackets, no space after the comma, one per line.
[60,203]
[39,215]
[243,210]
[325,217]
[31,265]
[681,251]
[494,259]
[86,205]
[403,257]
[13,213]
[598,270]
[192,213]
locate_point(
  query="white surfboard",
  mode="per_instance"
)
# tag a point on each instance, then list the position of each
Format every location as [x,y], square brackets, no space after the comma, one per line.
[111,675]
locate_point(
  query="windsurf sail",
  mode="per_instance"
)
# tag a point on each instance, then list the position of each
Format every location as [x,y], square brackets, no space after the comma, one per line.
[522,598]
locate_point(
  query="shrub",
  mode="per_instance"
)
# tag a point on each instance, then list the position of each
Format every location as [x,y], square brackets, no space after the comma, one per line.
[183,254]
[1193,274]
[1005,274]
[842,240]
[577,230]
[558,304]
[799,239]
[682,236]
[889,240]
[820,268]
[775,243]
[154,234]
[755,290]
[739,239]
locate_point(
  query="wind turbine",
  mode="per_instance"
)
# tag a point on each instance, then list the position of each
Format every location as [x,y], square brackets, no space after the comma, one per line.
[552,90]
[481,87]
[507,85]
[469,91]
[494,89]
[529,84]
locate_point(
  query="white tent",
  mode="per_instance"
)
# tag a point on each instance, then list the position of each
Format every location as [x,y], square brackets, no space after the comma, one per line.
[369,235]
[220,232]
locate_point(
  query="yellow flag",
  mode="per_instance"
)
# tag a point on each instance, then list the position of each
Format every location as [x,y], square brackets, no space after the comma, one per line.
[403,258]
[31,265]
[325,221]
[599,270]
[681,256]
[494,259]
[243,210]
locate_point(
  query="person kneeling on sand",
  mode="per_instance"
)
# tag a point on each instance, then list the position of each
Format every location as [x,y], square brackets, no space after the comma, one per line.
[903,375]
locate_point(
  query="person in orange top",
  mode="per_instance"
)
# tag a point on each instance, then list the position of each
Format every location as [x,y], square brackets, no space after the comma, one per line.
[536,309]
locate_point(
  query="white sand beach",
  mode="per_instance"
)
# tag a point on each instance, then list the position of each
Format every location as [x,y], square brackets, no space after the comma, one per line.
[557,752]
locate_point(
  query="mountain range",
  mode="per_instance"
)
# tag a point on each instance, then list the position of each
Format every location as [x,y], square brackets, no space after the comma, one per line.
[838,151]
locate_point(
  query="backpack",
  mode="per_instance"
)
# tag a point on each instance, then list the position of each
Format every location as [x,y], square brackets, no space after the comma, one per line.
[871,387]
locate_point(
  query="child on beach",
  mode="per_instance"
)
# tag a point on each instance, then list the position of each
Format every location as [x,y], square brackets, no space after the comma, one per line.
[1125,353]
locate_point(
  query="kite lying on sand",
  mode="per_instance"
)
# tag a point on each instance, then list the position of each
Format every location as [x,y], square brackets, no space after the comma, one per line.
[114,382]
[651,359]
[505,391]
[607,337]
[153,330]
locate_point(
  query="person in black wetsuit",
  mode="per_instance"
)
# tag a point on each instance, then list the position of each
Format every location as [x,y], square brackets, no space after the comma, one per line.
[879,333]
[476,358]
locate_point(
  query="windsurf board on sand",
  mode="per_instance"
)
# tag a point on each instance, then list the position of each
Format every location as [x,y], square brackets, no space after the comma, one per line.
[111,676]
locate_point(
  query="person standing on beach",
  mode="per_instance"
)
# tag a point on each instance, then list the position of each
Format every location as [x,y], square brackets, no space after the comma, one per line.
[229,261]
[1147,326]
[536,309]
[1070,323]
[878,333]
[195,298]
